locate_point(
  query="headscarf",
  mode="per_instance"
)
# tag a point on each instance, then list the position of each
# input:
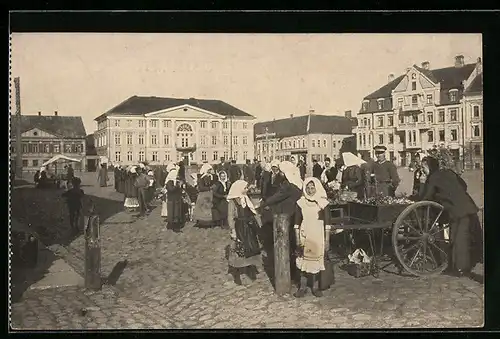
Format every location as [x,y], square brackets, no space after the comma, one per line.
[266,167]
[150,173]
[194,176]
[236,191]
[320,196]
[224,183]
[171,166]
[172,175]
[352,160]
[42,168]
[204,169]
[275,163]
[133,169]
[291,173]
[141,165]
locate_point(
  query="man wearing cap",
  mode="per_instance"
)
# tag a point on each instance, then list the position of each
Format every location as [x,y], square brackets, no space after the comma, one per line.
[329,173]
[385,172]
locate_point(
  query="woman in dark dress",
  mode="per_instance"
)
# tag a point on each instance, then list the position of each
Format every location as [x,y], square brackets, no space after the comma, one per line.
[448,189]
[131,197]
[352,176]
[202,213]
[244,252]
[176,215]
[220,191]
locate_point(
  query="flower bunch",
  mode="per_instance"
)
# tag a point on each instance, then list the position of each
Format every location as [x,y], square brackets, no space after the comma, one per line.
[253,190]
[160,194]
[381,200]
[444,156]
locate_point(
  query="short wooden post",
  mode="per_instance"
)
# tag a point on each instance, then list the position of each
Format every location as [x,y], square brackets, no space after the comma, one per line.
[92,253]
[282,274]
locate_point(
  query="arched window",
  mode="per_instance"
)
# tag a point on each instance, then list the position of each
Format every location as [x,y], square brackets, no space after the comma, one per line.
[185,135]
[184,128]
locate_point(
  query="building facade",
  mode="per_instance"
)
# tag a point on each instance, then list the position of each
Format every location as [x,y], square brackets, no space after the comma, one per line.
[44,136]
[416,111]
[160,130]
[473,125]
[311,136]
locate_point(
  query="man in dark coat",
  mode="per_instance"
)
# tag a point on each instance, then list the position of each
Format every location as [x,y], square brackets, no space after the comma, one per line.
[258,172]
[386,173]
[317,169]
[117,176]
[249,172]
[221,165]
[330,172]
[302,168]
[234,172]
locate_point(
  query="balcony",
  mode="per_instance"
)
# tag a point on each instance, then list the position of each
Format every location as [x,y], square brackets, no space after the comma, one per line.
[421,125]
[413,145]
[189,148]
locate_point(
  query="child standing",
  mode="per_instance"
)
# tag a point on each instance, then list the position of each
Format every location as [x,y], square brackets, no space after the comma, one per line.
[310,231]
[74,198]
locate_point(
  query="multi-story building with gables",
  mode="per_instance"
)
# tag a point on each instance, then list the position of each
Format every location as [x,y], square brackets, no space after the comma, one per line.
[415,111]
[159,130]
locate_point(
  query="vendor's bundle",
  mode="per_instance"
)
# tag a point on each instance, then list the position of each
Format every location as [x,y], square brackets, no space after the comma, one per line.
[445,157]
[381,200]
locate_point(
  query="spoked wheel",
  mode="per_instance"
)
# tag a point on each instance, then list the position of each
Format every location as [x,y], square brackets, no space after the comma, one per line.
[421,240]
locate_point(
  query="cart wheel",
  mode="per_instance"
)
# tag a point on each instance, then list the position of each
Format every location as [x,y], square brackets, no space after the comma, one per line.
[419,239]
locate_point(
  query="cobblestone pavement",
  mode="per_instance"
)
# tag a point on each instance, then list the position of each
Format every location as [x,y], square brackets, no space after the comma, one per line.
[180,280]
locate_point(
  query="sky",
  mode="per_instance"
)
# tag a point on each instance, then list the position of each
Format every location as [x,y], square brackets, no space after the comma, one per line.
[266,75]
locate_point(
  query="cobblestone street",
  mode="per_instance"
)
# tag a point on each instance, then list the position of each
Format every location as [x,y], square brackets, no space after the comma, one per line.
[180,281]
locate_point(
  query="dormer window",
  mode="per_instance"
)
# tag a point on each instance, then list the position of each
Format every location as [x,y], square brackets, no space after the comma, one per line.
[380,104]
[453,95]
[413,85]
[414,100]
[365,106]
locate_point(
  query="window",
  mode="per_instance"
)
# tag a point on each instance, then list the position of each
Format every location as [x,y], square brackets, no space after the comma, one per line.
[390,137]
[453,114]
[118,156]
[214,124]
[235,125]
[414,118]
[401,119]
[454,135]
[365,122]
[203,156]
[475,110]
[216,156]
[390,120]
[117,138]
[235,140]
[477,150]
[429,99]
[364,139]
[365,106]
[166,139]
[414,137]
[441,135]
[56,148]
[380,104]
[245,125]
[67,148]
[369,139]
[313,143]
[130,156]
[430,117]
[47,148]
[154,139]
[294,144]
[400,102]
[360,139]
[203,124]
[476,132]
[214,140]
[441,115]
[477,165]
[154,123]
[235,155]
[141,139]
[422,117]
[430,136]
[369,123]
[141,123]
[117,123]
[360,123]
[380,121]
[129,138]
[453,96]
[225,125]
[154,156]
[141,155]
[245,140]
[167,123]
[25,163]
[413,85]
[226,155]
[414,100]
[79,148]
[203,140]
[129,123]
[35,163]
[380,139]
[226,140]
[245,155]
[303,143]
[167,156]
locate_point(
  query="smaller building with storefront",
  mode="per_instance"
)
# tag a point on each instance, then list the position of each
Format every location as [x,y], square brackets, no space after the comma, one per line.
[44,136]
[311,136]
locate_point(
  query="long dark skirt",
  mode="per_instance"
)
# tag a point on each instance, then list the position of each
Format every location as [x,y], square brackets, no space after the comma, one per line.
[203,209]
[219,212]
[176,211]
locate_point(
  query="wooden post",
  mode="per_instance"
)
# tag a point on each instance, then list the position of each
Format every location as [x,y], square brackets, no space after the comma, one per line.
[282,275]
[92,253]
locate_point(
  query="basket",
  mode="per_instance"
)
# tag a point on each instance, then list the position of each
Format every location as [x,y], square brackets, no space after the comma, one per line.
[359,270]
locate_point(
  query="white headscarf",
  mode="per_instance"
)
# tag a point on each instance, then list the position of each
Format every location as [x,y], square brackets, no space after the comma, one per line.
[172,175]
[291,173]
[133,169]
[266,167]
[194,176]
[42,169]
[224,183]
[204,169]
[171,166]
[237,191]
[141,165]
[352,160]
[275,163]
[319,197]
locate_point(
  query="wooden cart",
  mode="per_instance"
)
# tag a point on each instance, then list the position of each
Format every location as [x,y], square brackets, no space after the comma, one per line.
[419,234]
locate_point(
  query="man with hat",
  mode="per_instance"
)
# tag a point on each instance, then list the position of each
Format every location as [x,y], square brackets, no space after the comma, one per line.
[385,172]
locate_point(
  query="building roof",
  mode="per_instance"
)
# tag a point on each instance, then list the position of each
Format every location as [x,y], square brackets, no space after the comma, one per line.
[294,126]
[476,85]
[61,126]
[386,90]
[139,105]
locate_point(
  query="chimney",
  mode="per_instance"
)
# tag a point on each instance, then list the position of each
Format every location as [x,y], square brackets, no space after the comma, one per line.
[348,114]
[291,115]
[479,66]
[39,113]
[55,113]
[459,61]
[425,65]
[390,77]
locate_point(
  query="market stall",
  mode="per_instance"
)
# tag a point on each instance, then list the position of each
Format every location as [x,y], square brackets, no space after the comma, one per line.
[58,161]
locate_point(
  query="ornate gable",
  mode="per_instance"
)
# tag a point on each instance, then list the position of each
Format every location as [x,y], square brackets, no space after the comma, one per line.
[185,112]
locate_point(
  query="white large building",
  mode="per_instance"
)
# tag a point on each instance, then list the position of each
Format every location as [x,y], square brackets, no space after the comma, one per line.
[419,109]
[160,130]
